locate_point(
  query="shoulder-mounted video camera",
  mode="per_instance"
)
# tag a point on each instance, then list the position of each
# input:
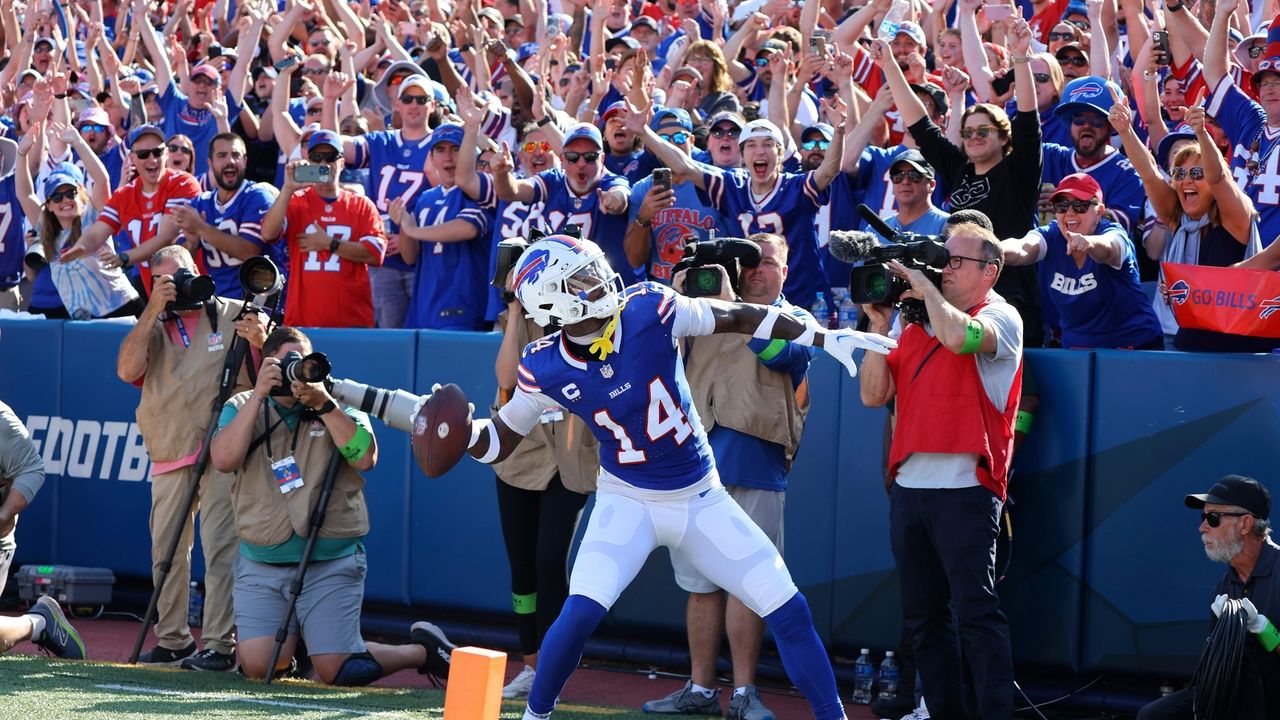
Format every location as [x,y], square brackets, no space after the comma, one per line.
[873,283]
[701,259]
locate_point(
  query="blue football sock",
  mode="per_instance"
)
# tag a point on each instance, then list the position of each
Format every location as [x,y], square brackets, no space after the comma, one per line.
[804,657]
[562,649]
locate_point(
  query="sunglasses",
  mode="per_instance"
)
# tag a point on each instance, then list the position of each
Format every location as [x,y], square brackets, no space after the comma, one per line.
[1074,61]
[1196,173]
[1061,36]
[323,157]
[815,144]
[981,131]
[1094,121]
[676,138]
[93,127]
[322,42]
[1040,77]
[482,164]
[1214,518]
[914,176]
[587,157]
[316,71]
[532,147]
[175,148]
[732,132]
[565,80]
[203,80]
[315,110]
[1256,51]
[762,61]
[72,193]
[415,100]
[1079,206]
[154,152]
[955,261]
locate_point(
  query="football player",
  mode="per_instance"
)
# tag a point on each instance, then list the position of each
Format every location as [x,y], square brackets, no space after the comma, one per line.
[616,364]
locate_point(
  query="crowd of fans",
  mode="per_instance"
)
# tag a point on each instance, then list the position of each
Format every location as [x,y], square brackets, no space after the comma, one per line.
[1093,134]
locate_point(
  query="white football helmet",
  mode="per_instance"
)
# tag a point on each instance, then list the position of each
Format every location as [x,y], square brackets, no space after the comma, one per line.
[566,280]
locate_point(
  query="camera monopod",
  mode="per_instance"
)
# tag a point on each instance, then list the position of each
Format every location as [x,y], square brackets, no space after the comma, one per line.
[295,588]
[260,278]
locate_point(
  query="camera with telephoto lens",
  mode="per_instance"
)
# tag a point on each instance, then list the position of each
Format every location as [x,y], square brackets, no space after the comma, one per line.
[702,258]
[294,366]
[193,290]
[873,283]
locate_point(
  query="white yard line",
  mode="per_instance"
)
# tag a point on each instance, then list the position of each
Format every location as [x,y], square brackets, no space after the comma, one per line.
[224,697]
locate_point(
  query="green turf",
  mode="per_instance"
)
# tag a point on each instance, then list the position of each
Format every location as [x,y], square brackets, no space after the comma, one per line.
[45,689]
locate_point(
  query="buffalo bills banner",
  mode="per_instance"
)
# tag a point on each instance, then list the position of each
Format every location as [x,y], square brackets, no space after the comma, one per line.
[1224,299]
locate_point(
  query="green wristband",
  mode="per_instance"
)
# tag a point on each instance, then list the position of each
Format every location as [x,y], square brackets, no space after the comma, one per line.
[524,604]
[1269,637]
[358,445]
[972,337]
[1022,422]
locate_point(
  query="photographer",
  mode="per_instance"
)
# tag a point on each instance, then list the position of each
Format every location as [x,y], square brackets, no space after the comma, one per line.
[956,380]
[278,438]
[754,436]
[175,353]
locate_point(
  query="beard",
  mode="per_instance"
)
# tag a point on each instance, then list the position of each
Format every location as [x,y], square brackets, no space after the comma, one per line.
[1224,551]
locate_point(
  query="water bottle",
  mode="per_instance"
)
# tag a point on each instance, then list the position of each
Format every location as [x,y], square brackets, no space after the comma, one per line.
[820,310]
[863,678]
[848,313]
[195,606]
[892,19]
[889,677]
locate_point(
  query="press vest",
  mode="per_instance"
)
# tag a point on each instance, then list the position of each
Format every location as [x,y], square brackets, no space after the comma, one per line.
[264,515]
[943,408]
[181,383]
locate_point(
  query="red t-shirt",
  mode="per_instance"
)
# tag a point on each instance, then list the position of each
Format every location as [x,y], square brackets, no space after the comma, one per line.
[326,290]
[1042,22]
[132,210]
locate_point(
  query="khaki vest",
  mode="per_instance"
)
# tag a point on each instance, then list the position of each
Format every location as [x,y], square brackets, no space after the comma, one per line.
[264,515]
[565,445]
[731,387]
[181,384]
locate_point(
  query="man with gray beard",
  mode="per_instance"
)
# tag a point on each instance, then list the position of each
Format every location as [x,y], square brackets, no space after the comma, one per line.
[1235,529]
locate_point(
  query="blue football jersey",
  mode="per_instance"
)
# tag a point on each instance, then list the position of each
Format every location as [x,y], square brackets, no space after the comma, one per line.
[1122,190]
[1255,152]
[636,400]
[787,210]
[562,207]
[241,216]
[13,246]
[397,169]
[688,220]
[198,125]
[510,220]
[450,279]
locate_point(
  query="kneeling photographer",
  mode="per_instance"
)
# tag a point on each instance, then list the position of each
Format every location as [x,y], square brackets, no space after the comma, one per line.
[956,377]
[285,440]
[752,395]
[175,353]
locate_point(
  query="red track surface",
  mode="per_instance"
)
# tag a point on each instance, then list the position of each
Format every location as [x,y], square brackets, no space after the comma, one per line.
[112,641]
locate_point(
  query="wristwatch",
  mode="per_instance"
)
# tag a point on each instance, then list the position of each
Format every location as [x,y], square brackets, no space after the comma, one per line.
[333,246]
[123,259]
[328,407]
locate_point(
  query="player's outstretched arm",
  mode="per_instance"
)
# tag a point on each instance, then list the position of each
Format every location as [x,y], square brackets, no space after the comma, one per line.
[492,440]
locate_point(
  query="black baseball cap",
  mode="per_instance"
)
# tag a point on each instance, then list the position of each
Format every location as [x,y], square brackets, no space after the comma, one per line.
[1236,490]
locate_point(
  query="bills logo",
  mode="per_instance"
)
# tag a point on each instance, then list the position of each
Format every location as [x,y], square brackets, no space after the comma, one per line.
[533,267]
[1179,292]
[1269,307]
[1088,90]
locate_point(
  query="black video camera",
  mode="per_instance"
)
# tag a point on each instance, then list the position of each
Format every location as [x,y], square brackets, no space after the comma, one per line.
[701,259]
[873,283]
[294,366]
[193,291]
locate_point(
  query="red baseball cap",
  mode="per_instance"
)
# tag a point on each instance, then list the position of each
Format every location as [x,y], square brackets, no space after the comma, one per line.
[1080,186]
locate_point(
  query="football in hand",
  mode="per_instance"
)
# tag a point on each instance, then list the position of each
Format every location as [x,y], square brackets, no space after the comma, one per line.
[442,431]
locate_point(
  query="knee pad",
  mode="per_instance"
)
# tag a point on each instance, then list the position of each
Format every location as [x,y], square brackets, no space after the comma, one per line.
[358,670]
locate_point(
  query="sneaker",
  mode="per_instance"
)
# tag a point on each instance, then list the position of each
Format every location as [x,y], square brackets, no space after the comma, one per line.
[892,709]
[920,713]
[164,656]
[685,702]
[747,706]
[520,686]
[438,649]
[210,661]
[58,638]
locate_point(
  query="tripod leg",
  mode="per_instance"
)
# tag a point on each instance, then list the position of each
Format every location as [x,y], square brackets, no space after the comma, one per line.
[178,528]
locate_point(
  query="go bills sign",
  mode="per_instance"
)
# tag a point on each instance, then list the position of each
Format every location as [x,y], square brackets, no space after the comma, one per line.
[89,449]
[1227,300]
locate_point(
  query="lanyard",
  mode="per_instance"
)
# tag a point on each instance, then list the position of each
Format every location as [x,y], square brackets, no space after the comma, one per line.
[182,331]
[272,427]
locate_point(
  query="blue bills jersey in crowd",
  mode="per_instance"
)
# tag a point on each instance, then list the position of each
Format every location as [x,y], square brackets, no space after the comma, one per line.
[240,216]
[636,401]
[510,220]
[839,214]
[13,246]
[1255,161]
[198,125]
[787,210]
[450,279]
[1122,191]
[688,220]
[397,170]
[560,207]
